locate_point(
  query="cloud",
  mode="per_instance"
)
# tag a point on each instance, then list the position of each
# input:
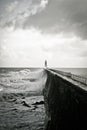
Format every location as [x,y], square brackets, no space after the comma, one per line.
[17,12]
[31,47]
[67,16]
[50,16]
[12,6]
[36,30]
[44,3]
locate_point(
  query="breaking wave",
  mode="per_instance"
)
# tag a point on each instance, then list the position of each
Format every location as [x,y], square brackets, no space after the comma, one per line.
[22,81]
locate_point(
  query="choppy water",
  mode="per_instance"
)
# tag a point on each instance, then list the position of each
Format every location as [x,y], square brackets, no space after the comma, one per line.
[21,100]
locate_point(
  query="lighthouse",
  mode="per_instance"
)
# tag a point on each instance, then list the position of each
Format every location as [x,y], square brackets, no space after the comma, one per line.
[45,63]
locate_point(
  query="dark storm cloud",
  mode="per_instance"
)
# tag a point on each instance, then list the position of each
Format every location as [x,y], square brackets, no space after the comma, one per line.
[58,15]
[62,16]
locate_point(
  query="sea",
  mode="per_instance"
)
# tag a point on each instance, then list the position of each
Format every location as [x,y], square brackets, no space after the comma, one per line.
[21,98]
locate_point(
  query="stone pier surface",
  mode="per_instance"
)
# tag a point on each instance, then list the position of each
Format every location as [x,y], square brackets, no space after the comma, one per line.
[65,103]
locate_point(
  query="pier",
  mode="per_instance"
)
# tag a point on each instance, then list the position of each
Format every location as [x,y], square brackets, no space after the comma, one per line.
[65,96]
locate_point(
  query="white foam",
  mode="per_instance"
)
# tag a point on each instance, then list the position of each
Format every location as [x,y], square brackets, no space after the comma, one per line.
[1,89]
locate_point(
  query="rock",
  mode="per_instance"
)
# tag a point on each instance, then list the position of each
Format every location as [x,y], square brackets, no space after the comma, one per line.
[38,103]
[25,104]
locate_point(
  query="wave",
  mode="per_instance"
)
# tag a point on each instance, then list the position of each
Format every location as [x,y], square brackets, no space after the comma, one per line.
[23,81]
[1,89]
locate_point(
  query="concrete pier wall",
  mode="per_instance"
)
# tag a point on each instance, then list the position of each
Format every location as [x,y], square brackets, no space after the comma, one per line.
[65,104]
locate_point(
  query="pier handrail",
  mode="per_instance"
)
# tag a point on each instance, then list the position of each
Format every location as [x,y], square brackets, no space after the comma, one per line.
[77,78]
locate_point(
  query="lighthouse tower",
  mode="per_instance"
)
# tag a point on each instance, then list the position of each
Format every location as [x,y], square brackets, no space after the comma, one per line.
[45,63]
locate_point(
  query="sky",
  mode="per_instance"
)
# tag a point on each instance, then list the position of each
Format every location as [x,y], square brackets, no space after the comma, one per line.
[34,30]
